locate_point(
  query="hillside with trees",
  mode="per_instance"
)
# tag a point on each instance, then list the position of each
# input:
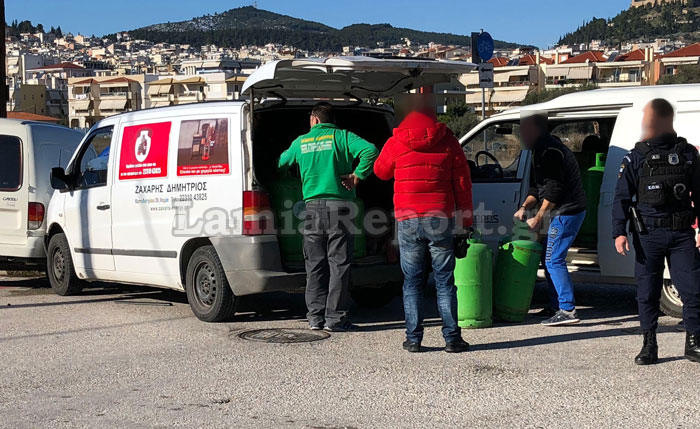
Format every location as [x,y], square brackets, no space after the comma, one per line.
[676,20]
[251,26]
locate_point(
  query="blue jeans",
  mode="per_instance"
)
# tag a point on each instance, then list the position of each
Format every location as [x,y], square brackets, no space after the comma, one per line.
[561,235]
[417,237]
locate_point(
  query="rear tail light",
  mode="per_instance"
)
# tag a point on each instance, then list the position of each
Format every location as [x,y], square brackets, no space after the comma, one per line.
[258,218]
[36,216]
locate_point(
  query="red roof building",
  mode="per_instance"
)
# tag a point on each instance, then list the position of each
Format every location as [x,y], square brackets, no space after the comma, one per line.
[60,66]
[531,60]
[689,51]
[590,56]
[499,61]
[637,55]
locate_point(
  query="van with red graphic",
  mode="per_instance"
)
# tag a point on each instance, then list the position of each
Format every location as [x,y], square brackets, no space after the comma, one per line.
[28,151]
[189,197]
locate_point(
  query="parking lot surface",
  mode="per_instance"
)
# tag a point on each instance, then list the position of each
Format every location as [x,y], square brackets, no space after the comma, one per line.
[120,356]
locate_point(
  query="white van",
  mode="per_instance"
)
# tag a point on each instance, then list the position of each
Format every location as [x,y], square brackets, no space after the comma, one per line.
[604,121]
[181,197]
[28,151]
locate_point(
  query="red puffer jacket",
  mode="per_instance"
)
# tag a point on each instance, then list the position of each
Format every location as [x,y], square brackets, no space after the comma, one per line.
[430,170]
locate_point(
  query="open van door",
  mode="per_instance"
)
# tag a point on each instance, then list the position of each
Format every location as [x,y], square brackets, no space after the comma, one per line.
[349,77]
[498,168]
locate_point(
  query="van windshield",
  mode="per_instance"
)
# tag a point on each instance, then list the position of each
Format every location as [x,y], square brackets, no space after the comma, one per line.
[10,163]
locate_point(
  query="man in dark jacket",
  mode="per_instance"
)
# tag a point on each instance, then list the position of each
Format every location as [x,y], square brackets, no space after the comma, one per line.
[660,181]
[432,191]
[557,191]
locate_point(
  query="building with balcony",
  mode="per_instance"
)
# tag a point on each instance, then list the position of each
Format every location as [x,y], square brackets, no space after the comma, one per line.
[514,79]
[97,97]
[631,69]
[176,90]
[54,78]
[578,70]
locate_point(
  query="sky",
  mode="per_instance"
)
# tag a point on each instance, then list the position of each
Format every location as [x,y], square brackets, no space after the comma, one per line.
[535,22]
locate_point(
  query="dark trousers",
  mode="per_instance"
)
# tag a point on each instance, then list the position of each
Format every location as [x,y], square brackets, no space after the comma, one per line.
[328,247]
[652,251]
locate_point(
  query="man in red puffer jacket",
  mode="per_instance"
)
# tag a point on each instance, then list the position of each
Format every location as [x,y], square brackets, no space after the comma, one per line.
[432,192]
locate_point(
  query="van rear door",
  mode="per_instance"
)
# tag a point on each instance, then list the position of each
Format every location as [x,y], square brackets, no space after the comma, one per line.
[13,191]
[349,77]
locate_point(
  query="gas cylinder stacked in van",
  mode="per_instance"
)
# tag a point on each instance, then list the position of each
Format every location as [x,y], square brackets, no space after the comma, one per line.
[288,205]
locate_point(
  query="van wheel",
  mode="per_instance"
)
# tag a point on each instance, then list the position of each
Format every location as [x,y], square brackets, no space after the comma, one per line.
[373,297]
[60,268]
[671,303]
[208,291]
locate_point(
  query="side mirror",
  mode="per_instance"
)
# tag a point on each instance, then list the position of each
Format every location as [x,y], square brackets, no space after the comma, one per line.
[59,180]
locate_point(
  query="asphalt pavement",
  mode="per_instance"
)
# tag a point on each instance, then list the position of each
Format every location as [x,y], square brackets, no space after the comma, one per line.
[119,356]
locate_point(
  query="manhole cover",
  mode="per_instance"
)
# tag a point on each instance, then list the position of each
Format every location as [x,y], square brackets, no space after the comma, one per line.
[283,336]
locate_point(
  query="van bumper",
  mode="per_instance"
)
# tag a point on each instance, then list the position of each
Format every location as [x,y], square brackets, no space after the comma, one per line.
[253,265]
[27,255]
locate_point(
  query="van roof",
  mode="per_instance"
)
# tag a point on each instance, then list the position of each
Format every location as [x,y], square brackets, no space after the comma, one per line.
[158,111]
[611,97]
[11,122]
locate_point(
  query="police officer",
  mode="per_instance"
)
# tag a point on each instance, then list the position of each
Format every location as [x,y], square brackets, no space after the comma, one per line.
[658,184]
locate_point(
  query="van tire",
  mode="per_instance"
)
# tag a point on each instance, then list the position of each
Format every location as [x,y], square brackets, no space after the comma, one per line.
[60,269]
[208,291]
[373,297]
[671,304]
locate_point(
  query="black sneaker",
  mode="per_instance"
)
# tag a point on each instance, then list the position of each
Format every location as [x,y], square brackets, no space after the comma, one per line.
[458,346]
[412,347]
[545,313]
[562,317]
[342,327]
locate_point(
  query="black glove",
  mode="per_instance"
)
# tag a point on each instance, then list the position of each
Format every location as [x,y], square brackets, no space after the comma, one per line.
[461,245]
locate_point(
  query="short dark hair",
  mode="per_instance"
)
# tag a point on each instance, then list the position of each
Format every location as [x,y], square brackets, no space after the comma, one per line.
[324,112]
[661,108]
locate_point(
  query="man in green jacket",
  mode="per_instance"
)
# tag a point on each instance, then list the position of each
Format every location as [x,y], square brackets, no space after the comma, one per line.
[325,156]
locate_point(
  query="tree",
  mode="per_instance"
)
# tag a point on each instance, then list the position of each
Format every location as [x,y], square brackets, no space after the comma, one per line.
[460,118]
[686,74]
[59,33]
[39,28]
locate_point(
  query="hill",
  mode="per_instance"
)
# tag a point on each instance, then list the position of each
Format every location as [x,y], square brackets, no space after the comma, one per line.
[252,26]
[667,20]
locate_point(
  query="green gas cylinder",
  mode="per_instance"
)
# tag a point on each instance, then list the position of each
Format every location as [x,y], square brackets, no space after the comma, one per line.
[474,281]
[287,202]
[592,180]
[514,279]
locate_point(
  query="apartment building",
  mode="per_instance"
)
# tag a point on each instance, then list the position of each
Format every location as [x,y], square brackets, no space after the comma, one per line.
[514,79]
[97,97]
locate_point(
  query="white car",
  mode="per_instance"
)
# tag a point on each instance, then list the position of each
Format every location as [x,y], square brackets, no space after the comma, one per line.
[28,152]
[179,197]
[604,121]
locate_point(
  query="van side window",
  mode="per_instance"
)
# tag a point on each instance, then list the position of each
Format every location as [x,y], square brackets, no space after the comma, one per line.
[573,134]
[94,161]
[497,142]
[10,163]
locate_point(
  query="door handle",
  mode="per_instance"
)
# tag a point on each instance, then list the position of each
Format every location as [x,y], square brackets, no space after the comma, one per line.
[103,207]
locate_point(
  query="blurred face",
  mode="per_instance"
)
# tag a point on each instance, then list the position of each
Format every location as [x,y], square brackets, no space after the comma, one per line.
[653,125]
[529,133]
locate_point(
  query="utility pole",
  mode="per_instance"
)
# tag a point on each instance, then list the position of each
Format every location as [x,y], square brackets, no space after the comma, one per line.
[3,61]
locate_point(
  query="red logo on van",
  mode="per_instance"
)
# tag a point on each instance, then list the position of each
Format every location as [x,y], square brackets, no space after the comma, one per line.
[144,151]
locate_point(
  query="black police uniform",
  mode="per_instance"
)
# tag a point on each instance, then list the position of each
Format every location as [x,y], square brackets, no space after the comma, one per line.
[661,177]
